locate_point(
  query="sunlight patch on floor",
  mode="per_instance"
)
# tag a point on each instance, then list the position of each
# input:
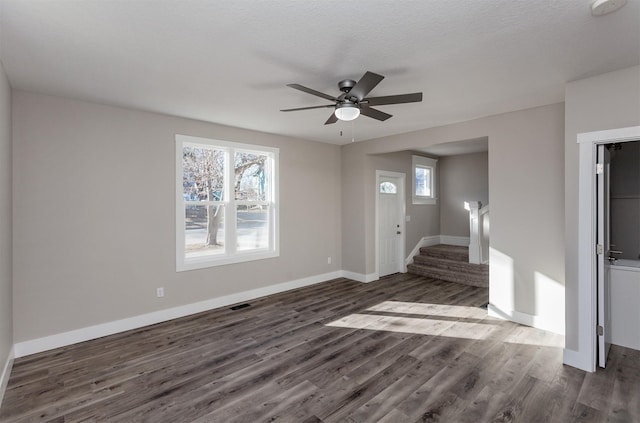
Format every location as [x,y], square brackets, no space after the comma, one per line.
[537,337]
[420,326]
[440,320]
[427,309]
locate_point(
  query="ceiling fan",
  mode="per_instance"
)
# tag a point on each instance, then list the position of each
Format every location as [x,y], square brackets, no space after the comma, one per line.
[354,102]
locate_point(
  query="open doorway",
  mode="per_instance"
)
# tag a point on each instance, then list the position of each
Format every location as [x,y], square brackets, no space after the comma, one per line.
[590,251]
[459,175]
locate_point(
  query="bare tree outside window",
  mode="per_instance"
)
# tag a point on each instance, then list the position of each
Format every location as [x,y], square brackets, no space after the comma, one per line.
[206,204]
[203,181]
[251,194]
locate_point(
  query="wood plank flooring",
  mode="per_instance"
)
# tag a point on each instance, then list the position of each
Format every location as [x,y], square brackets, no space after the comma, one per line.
[402,349]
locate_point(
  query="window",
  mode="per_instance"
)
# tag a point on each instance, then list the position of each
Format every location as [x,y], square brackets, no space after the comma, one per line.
[226,202]
[424,180]
[388,188]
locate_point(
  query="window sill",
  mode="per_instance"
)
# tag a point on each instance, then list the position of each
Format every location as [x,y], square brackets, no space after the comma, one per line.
[204,262]
[417,200]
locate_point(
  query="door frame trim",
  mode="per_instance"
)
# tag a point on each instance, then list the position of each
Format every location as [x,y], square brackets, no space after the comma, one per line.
[403,213]
[585,357]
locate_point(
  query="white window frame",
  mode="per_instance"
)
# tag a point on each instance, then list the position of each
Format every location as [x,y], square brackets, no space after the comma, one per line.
[422,162]
[231,255]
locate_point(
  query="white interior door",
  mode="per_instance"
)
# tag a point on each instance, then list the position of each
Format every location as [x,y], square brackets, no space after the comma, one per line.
[604,276]
[390,213]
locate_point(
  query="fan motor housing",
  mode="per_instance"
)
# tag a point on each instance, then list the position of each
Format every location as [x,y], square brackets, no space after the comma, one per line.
[346,84]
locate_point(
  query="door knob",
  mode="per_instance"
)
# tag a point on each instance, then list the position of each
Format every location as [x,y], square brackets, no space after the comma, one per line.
[398,232]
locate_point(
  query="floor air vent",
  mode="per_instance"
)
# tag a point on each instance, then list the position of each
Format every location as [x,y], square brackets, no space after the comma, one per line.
[239,306]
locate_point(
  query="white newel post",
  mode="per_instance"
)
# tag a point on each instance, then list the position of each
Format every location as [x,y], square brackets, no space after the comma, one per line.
[475,235]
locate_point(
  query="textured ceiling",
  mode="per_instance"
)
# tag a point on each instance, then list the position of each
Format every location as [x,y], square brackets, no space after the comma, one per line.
[229,61]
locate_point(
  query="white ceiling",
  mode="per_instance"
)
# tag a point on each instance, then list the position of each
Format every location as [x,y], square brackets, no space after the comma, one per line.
[228,61]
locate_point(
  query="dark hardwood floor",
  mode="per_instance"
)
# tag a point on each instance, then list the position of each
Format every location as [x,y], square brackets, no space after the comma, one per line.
[402,349]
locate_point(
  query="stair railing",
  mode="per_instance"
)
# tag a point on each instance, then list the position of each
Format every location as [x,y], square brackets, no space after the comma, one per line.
[478,232]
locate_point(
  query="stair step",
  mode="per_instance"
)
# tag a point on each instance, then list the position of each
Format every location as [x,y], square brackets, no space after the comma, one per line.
[449,275]
[455,265]
[449,252]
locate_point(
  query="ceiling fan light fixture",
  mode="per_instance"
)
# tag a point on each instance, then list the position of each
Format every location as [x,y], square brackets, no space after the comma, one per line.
[604,7]
[347,111]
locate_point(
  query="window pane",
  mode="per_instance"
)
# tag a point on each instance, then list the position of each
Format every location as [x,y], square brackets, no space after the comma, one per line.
[423,181]
[253,227]
[250,176]
[202,173]
[204,230]
[388,188]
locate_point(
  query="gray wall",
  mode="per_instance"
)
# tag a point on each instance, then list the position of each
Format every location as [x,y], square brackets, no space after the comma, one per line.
[6,295]
[462,178]
[425,218]
[625,200]
[527,208]
[94,215]
[607,101]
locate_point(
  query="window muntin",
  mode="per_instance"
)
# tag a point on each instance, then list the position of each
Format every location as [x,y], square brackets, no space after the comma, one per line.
[424,180]
[213,227]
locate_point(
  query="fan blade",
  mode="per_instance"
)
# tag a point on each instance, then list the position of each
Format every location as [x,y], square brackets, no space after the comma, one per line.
[393,99]
[332,119]
[308,108]
[368,82]
[374,113]
[312,92]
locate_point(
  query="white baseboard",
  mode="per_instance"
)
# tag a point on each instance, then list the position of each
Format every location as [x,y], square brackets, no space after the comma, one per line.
[33,346]
[6,372]
[578,360]
[428,241]
[360,277]
[461,241]
[535,321]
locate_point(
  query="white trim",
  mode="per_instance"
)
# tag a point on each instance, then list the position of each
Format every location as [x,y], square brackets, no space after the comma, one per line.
[426,241]
[585,356]
[403,226]
[460,241]
[576,359]
[97,331]
[6,372]
[359,277]
[630,133]
[536,321]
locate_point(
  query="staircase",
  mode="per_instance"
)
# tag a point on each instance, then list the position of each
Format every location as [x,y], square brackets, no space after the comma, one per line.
[449,263]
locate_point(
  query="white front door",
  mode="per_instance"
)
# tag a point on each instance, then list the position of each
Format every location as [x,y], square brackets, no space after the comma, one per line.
[390,213]
[602,249]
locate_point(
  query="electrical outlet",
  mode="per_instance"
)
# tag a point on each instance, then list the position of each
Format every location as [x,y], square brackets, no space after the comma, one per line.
[329,260]
[160,292]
